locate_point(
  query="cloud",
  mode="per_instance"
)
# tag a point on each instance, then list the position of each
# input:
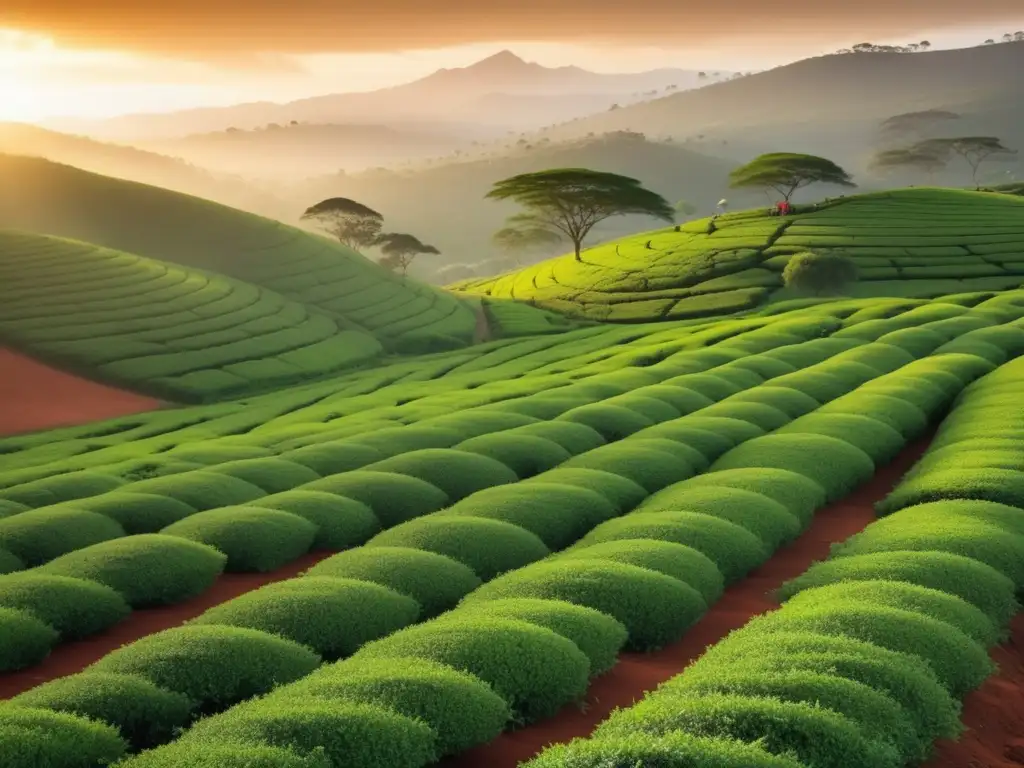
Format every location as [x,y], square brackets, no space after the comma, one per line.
[221,29]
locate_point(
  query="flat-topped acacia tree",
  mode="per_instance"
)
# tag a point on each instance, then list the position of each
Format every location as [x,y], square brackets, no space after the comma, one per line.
[569,202]
[786,172]
[975,150]
[400,249]
[351,222]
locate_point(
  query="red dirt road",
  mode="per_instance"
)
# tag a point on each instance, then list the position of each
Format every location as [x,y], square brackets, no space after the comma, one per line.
[69,658]
[34,396]
[635,674]
[993,714]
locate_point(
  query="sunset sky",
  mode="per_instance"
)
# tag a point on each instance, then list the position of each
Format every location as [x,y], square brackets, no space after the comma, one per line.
[93,58]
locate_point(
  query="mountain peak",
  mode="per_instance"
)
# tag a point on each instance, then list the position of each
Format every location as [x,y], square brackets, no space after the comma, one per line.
[501,60]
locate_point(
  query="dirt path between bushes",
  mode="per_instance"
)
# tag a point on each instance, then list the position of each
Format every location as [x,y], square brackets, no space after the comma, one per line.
[482,332]
[69,658]
[636,673]
[34,396]
[993,714]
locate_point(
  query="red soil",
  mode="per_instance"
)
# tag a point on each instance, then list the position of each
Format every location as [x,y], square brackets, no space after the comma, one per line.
[993,714]
[34,396]
[69,658]
[635,674]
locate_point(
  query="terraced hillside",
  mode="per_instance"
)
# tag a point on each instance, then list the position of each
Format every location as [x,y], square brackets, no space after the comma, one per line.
[495,527]
[906,243]
[47,198]
[182,334]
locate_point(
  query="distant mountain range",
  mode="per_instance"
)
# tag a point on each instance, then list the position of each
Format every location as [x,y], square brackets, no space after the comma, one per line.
[502,92]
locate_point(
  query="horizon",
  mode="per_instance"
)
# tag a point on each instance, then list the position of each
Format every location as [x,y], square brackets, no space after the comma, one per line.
[47,79]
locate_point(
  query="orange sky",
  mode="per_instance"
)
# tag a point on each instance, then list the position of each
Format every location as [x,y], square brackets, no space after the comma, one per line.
[103,57]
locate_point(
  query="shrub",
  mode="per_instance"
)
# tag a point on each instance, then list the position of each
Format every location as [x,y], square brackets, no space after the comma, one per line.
[146,570]
[76,608]
[59,488]
[817,737]
[393,498]
[709,385]
[40,535]
[39,738]
[877,439]
[709,444]
[332,616]
[623,493]
[799,494]
[652,408]
[557,514]
[137,512]
[203,755]
[908,597]
[760,415]
[975,539]
[672,750]
[960,663]
[457,473]
[201,489]
[645,462]
[253,538]
[1004,486]
[834,464]
[573,437]
[461,709]
[477,421]
[145,714]
[489,547]
[341,523]
[977,583]
[271,475]
[396,440]
[766,519]
[791,402]
[535,670]
[525,455]
[8,508]
[735,550]
[334,457]
[683,400]
[676,560]
[214,666]
[879,717]
[906,418]
[9,563]
[736,430]
[612,422]
[24,639]
[436,582]
[655,609]
[348,734]
[597,634]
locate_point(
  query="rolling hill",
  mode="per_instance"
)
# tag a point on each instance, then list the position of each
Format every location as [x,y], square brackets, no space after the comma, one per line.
[906,243]
[60,200]
[832,105]
[445,204]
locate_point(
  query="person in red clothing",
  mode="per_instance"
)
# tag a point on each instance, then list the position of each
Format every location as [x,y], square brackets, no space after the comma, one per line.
[783,208]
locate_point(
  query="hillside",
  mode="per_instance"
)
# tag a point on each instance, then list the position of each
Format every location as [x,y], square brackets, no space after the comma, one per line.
[911,242]
[183,335]
[59,200]
[833,105]
[445,204]
[133,164]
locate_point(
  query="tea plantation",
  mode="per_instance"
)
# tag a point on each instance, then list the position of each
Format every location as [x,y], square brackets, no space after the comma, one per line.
[506,519]
[907,243]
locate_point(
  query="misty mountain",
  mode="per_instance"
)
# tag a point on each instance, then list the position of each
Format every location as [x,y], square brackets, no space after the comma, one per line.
[501,91]
[833,105]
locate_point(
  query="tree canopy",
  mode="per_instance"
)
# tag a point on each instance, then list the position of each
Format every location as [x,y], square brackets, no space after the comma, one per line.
[400,249]
[787,172]
[685,208]
[819,274]
[569,202]
[975,150]
[354,224]
[916,122]
[916,158]
[521,236]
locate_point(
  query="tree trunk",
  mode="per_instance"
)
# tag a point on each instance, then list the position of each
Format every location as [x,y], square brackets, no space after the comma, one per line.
[578,246]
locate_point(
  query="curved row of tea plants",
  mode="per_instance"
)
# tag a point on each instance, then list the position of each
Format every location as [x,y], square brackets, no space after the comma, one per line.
[873,649]
[178,333]
[907,242]
[677,560]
